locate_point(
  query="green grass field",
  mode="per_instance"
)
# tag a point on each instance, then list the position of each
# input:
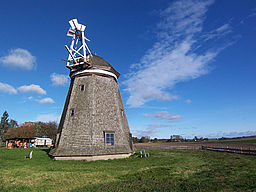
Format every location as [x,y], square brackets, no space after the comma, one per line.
[164,170]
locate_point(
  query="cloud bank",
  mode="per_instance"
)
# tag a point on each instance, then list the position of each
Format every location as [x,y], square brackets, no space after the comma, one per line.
[175,57]
[19,58]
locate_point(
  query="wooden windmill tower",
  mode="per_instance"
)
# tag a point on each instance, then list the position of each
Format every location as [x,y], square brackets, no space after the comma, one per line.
[93,124]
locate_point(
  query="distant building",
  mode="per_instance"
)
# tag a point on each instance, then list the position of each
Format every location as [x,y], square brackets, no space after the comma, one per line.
[42,142]
[28,142]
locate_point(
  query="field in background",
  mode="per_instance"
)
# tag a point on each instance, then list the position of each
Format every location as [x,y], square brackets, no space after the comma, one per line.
[237,140]
[164,170]
[246,143]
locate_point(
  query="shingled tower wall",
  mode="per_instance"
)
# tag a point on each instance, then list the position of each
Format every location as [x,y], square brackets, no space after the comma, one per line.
[93,109]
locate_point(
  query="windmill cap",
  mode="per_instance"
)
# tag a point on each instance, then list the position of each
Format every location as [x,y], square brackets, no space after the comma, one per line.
[100,63]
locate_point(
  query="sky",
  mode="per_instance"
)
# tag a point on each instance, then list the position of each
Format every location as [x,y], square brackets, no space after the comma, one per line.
[187,67]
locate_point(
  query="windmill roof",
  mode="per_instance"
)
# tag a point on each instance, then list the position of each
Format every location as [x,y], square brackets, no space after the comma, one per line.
[100,63]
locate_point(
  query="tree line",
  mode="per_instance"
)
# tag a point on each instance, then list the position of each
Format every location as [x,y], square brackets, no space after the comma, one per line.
[173,138]
[9,129]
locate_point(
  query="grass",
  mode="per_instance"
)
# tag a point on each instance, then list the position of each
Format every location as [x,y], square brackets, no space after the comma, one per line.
[240,140]
[251,139]
[164,170]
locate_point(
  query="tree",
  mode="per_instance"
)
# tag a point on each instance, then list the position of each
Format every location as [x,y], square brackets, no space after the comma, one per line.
[4,124]
[51,129]
[144,140]
[10,133]
[31,129]
[23,131]
[46,129]
[135,139]
[13,123]
[175,138]
[26,131]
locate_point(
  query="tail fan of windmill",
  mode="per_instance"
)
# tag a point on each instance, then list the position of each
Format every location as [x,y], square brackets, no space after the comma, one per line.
[78,49]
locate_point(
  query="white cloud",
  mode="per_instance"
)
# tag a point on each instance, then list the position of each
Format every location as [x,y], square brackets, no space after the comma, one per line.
[253,14]
[218,33]
[7,88]
[59,79]
[223,28]
[32,89]
[47,117]
[167,116]
[145,132]
[154,126]
[46,100]
[174,57]
[188,101]
[30,98]
[150,131]
[163,115]
[19,58]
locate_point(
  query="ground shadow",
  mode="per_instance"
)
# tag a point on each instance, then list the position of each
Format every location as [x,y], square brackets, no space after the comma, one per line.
[47,151]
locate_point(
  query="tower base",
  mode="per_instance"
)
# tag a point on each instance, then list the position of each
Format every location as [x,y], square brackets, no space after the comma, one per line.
[94,158]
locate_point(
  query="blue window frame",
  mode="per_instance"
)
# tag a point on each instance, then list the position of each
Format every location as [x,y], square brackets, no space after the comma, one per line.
[110,139]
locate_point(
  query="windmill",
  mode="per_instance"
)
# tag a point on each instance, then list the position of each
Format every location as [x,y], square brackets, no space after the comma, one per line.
[93,124]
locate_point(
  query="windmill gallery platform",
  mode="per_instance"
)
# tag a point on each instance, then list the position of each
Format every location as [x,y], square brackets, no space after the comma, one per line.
[93,125]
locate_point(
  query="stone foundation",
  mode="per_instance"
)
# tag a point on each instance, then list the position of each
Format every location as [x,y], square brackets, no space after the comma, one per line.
[94,158]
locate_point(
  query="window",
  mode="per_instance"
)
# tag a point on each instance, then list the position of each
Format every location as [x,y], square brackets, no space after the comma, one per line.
[122,112]
[82,87]
[109,139]
[72,112]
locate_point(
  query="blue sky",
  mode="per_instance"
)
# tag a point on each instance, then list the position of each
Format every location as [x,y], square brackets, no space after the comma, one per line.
[187,67]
